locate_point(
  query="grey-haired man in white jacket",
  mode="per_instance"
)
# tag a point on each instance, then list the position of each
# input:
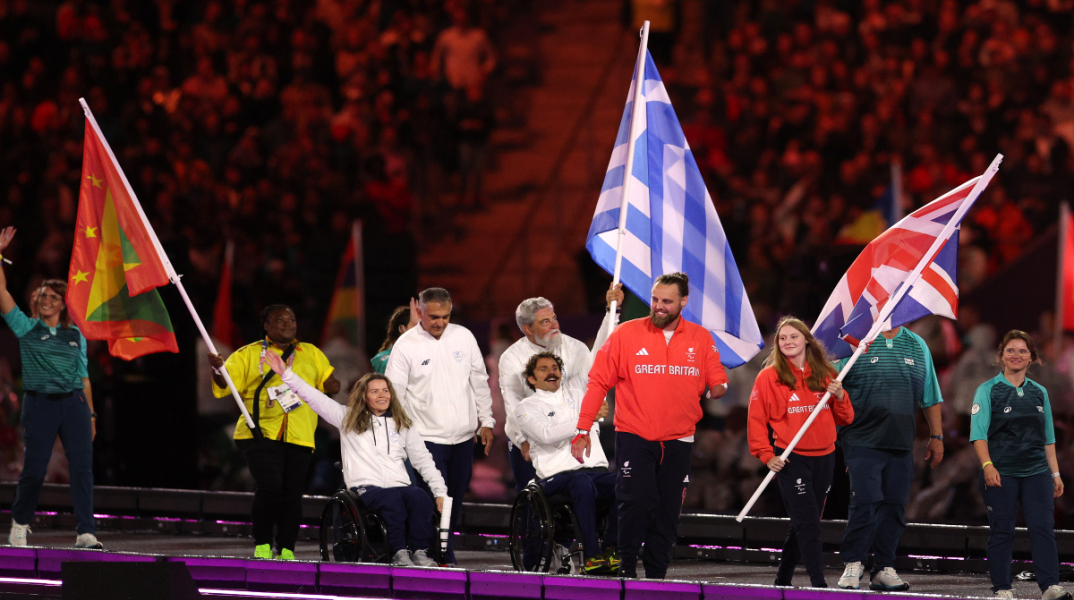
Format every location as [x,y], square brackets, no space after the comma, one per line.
[439,374]
[548,419]
[536,318]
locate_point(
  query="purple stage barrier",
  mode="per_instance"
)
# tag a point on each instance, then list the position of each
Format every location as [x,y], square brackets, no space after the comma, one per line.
[641,589]
[566,587]
[505,584]
[368,581]
[40,569]
[215,572]
[416,583]
[18,562]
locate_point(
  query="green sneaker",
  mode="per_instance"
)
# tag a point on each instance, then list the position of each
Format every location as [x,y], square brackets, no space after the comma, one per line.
[263,551]
[597,565]
[612,555]
[603,564]
[286,554]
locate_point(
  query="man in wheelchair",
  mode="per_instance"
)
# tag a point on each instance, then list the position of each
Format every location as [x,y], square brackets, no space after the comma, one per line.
[547,419]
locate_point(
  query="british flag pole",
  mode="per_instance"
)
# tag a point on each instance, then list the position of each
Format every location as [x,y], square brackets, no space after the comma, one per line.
[880,322]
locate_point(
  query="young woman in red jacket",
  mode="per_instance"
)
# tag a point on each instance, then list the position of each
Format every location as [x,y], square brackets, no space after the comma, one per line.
[795,377]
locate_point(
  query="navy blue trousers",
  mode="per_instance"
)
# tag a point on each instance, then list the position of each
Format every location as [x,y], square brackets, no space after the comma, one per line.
[407,513]
[650,488]
[456,465]
[43,420]
[521,468]
[879,492]
[804,483]
[1036,495]
[585,488]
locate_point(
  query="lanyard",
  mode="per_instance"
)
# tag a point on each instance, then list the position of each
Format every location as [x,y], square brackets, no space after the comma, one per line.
[261,361]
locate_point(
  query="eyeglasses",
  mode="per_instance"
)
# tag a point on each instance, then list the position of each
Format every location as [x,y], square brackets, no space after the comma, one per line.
[1014,351]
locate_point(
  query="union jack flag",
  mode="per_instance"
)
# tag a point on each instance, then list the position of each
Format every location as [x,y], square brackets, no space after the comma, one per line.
[883,267]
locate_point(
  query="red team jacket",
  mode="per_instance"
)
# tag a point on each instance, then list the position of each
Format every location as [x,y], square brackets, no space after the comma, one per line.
[785,410]
[658,385]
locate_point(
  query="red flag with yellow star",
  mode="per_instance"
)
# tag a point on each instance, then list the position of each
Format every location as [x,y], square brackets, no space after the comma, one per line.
[115,269]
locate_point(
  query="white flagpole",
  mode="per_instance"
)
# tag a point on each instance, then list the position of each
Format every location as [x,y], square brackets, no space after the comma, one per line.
[172,275]
[885,313]
[639,83]
[1057,340]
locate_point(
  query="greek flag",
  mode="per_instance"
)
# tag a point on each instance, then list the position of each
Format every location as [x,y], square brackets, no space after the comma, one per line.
[671,225]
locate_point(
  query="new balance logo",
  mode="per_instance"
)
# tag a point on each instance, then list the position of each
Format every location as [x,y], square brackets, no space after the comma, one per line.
[642,352]
[425,362]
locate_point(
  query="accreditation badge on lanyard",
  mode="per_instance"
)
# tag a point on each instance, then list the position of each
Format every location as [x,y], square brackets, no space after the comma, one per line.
[287,397]
[274,393]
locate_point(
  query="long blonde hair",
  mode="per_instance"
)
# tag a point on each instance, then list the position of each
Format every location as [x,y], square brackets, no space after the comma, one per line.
[358,415]
[816,358]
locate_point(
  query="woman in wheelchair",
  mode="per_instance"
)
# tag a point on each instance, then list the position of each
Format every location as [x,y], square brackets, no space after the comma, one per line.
[376,439]
[548,419]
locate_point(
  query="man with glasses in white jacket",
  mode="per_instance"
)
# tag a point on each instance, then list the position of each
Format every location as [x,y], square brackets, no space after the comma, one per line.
[536,318]
[439,374]
[548,419]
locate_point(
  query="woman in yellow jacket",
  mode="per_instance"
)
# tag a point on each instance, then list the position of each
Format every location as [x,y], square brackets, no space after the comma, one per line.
[279,452]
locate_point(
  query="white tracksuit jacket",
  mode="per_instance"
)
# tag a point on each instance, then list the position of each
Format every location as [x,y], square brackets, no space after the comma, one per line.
[442,383]
[549,420]
[374,457]
[577,359]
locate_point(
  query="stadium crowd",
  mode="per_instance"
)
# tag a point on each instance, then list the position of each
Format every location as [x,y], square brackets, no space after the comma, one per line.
[275,124]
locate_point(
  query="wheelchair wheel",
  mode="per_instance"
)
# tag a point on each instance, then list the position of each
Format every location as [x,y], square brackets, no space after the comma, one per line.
[351,534]
[532,531]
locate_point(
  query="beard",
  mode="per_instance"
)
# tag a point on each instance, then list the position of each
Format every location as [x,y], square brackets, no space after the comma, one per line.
[662,321]
[552,340]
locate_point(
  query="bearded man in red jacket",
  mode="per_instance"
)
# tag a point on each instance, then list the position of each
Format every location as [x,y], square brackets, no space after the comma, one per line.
[660,367]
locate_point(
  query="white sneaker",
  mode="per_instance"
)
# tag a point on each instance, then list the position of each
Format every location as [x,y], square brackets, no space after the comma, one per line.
[402,559]
[421,559]
[888,580]
[1004,594]
[563,561]
[18,534]
[88,540]
[1055,592]
[851,578]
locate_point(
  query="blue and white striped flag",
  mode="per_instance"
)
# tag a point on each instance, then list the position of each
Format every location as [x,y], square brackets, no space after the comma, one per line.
[672,225]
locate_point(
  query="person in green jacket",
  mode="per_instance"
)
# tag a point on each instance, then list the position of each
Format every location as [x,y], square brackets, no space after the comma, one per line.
[402,320]
[1013,434]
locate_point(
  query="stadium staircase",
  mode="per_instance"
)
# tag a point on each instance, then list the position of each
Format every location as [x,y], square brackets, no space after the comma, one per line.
[546,168]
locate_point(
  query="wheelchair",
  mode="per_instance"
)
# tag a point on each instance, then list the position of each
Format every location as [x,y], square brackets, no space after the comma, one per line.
[544,531]
[353,532]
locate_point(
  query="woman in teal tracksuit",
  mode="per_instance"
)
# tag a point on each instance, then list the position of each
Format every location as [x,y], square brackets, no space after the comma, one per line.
[1011,430]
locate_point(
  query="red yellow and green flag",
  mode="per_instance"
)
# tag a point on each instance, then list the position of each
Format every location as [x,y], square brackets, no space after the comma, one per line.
[115,268]
[346,313]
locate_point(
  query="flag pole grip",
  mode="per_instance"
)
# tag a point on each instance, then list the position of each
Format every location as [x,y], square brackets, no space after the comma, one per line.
[168,268]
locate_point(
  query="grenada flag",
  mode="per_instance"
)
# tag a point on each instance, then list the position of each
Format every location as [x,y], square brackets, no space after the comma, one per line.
[115,269]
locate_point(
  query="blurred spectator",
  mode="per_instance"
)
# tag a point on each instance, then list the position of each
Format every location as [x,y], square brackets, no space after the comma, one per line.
[463,54]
